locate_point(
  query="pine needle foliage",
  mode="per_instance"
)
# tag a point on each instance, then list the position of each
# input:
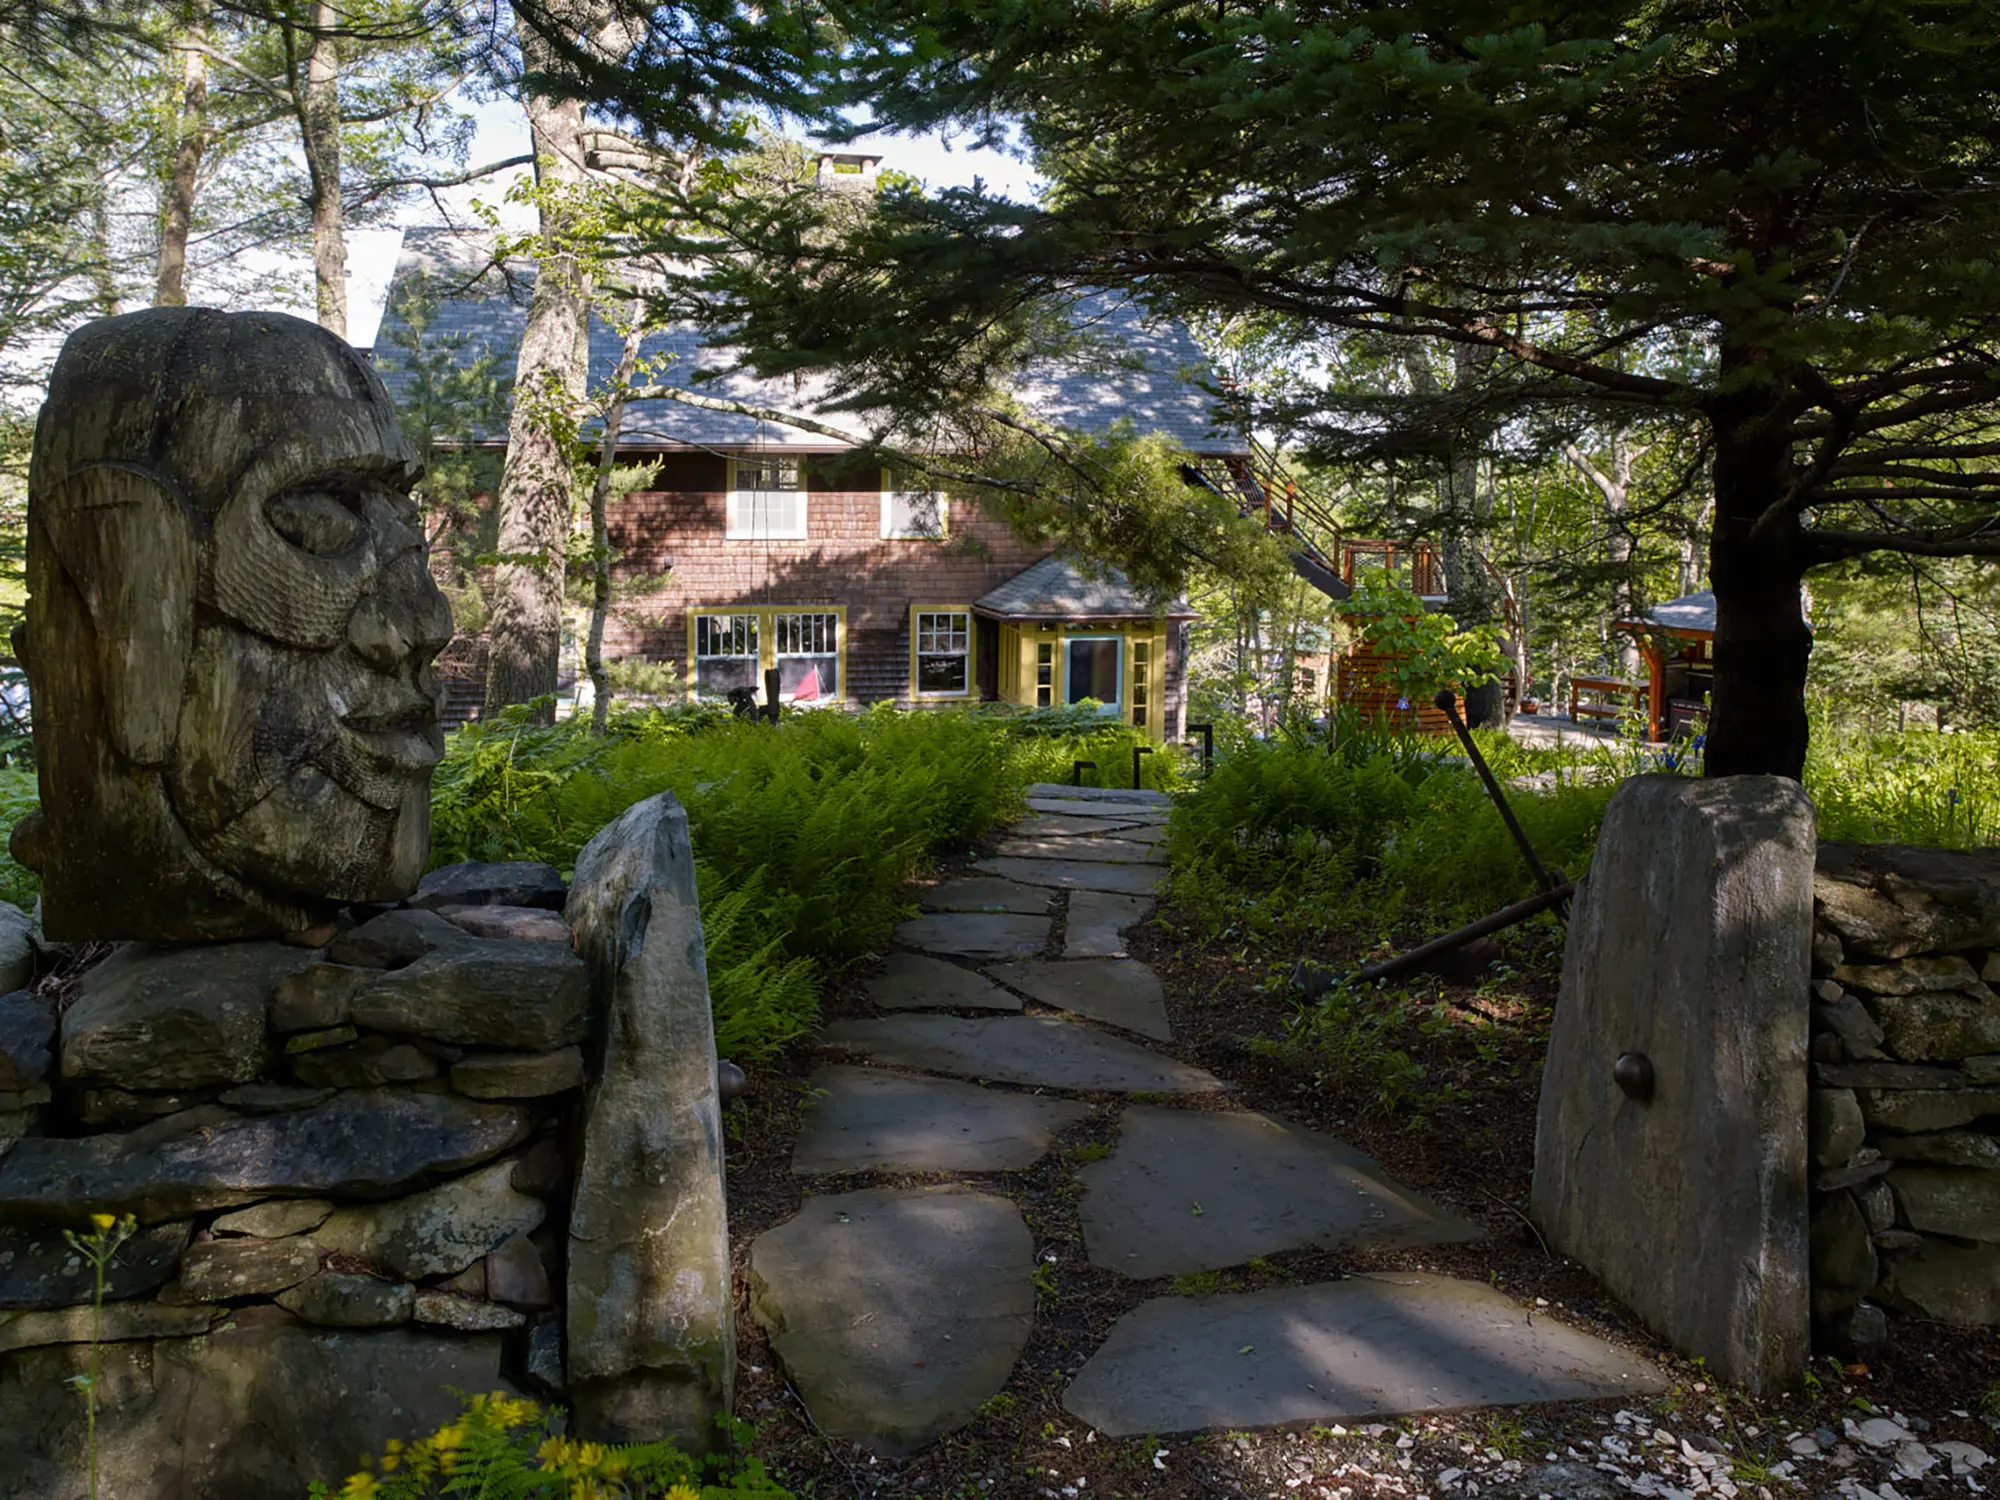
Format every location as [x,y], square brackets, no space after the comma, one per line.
[806,834]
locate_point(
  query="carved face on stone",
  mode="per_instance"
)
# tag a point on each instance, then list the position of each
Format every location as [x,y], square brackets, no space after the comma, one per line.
[230,631]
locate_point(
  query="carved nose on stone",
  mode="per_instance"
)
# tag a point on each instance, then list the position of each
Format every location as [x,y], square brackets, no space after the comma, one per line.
[1633,1072]
[378,636]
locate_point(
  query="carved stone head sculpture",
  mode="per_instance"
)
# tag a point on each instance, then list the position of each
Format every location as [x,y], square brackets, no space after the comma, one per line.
[229,636]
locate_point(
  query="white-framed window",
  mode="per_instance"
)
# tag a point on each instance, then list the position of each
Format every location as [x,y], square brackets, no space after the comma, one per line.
[944,653]
[767,499]
[1045,674]
[912,509]
[807,645]
[725,654]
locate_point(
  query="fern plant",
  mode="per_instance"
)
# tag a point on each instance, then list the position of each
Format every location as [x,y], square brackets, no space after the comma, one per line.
[508,1448]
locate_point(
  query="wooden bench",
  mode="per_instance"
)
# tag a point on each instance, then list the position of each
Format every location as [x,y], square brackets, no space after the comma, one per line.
[1604,693]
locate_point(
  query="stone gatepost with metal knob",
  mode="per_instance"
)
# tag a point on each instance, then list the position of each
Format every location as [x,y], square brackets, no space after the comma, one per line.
[1671,1153]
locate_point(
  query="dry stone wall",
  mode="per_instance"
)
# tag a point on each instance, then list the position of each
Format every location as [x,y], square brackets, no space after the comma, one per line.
[1905,1105]
[357,1163]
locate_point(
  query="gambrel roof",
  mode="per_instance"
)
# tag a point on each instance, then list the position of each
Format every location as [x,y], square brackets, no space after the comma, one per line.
[481,312]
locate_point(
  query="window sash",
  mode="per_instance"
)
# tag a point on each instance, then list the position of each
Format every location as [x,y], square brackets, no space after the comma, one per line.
[807,641]
[911,509]
[944,653]
[725,653]
[767,499]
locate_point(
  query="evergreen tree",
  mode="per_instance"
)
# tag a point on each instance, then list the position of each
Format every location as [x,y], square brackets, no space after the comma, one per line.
[1775,221]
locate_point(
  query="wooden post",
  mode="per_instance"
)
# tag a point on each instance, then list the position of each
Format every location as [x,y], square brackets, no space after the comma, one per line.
[1656,687]
[772,707]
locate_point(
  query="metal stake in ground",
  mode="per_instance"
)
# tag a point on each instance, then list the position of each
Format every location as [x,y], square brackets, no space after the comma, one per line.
[1548,882]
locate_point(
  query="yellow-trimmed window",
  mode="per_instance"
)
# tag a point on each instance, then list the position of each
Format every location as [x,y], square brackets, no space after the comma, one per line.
[806,652]
[1045,674]
[941,653]
[1142,660]
[725,653]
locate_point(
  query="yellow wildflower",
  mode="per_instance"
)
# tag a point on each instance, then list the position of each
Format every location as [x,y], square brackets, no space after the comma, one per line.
[103,1221]
[359,1487]
[682,1492]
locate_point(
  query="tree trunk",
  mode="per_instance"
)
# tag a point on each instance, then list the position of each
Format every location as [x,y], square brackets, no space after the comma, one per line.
[600,529]
[184,170]
[103,278]
[549,380]
[1757,721]
[1614,486]
[319,126]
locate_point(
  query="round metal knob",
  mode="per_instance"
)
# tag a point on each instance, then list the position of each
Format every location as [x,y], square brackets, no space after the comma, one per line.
[1633,1072]
[730,1080]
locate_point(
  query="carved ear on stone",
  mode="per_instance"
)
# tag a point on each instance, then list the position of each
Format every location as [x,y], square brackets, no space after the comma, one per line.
[129,550]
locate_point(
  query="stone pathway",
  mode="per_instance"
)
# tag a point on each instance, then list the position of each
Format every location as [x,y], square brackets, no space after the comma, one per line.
[897,1311]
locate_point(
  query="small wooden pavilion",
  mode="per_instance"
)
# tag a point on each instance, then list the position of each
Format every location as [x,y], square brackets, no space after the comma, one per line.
[1677,640]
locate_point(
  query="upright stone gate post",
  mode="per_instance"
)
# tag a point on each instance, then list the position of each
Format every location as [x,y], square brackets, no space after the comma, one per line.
[651,1326]
[1670,1148]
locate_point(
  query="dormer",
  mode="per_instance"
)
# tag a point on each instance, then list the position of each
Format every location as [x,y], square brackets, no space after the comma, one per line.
[847,171]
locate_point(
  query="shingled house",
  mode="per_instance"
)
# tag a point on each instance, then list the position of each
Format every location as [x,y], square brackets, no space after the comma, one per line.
[778,549]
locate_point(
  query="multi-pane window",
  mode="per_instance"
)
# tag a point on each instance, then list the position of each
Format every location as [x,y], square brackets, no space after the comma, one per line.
[944,653]
[725,653]
[1045,674]
[808,654]
[1142,657]
[767,499]
[911,507]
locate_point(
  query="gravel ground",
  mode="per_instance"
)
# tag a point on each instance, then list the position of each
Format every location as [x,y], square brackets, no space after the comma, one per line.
[1921,1422]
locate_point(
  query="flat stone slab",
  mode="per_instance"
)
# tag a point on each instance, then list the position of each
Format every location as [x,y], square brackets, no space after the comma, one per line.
[1098,922]
[1069,807]
[1043,1050]
[1130,796]
[897,1312]
[1111,850]
[1378,1345]
[1046,825]
[1188,1190]
[914,981]
[976,934]
[864,1120]
[1079,875]
[971,893]
[1119,991]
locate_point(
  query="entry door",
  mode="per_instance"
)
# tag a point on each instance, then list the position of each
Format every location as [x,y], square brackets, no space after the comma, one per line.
[1096,670]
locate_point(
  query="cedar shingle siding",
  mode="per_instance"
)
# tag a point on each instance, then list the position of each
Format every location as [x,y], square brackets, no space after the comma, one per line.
[1150,377]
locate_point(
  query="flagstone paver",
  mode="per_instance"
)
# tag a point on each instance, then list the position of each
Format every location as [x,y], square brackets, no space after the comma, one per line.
[1111,850]
[1077,874]
[1043,1050]
[1119,991]
[1375,1345]
[1070,807]
[1098,921]
[1188,1190]
[986,893]
[897,1312]
[1049,825]
[915,981]
[864,1120]
[976,934]
[1131,796]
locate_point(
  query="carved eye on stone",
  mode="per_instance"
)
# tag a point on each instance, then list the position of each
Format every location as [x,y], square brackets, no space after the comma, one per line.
[318,521]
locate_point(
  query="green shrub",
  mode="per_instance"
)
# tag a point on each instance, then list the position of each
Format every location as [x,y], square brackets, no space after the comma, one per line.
[806,834]
[20,795]
[509,1448]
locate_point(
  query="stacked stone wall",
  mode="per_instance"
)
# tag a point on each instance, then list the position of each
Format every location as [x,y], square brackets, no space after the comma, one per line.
[1905,1105]
[352,1169]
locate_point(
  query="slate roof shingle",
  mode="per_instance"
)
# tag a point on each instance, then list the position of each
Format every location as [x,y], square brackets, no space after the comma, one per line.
[1055,589]
[481,311]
